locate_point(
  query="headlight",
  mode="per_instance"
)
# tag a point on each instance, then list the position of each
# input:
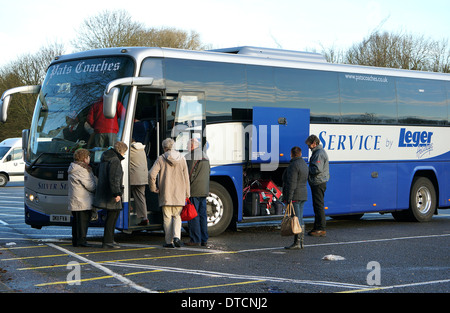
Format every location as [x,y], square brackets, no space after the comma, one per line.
[32,198]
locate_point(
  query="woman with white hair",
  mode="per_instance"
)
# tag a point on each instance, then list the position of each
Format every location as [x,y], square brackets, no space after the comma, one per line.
[173,188]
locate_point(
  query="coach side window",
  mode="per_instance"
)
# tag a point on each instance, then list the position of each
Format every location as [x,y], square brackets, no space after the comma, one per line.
[314,90]
[421,101]
[367,99]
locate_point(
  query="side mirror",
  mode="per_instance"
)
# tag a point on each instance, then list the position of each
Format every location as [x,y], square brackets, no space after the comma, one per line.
[110,102]
[6,98]
[111,94]
[25,136]
[4,103]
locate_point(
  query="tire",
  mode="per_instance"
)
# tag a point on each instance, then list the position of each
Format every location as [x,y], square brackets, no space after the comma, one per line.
[219,206]
[422,202]
[3,180]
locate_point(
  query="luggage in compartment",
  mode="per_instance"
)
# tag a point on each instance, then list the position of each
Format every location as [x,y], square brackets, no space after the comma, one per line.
[261,199]
[251,204]
[270,186]
[278,207]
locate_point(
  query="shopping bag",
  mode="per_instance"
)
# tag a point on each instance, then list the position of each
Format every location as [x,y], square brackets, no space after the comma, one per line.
[189,211]
[290,225]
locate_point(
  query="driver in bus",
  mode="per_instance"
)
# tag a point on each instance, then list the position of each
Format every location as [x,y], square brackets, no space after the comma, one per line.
[74,130]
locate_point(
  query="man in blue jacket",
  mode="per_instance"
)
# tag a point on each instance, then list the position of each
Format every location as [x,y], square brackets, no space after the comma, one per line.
[199,172]
[319,174]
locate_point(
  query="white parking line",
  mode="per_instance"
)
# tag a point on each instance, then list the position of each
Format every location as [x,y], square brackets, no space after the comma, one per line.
[237,276]
[398,286]
[104,269]
[348,242]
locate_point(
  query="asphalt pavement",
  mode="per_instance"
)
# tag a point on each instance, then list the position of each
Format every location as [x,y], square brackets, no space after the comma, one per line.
[372,255]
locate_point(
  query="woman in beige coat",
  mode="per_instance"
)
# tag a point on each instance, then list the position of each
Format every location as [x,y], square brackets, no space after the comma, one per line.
[82,184]
[173,189]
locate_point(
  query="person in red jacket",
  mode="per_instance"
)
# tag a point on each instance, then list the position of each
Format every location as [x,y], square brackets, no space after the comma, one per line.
[105,129]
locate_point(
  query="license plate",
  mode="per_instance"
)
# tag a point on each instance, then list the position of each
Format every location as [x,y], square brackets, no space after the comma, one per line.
[60,218]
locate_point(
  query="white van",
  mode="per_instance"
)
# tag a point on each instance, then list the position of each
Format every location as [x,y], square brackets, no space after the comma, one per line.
[12,165]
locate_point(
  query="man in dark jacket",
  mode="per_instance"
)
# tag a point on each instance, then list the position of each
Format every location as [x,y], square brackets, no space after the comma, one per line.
[108,194]
[319,174]
[295,178]
[199,172]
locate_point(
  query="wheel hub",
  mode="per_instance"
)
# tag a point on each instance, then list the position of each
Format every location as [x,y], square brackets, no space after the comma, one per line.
[423,200]
[214,207]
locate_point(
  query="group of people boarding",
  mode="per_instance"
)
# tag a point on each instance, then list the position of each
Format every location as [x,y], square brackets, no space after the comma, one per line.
[179,177]
[174,178]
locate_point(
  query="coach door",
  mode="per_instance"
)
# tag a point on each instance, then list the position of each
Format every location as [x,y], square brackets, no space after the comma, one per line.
[147,127]
[190,119]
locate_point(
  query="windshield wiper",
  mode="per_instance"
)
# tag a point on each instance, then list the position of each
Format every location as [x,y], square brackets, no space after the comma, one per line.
[57,154]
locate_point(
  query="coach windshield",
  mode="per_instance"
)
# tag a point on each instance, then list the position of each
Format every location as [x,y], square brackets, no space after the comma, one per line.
[61,121]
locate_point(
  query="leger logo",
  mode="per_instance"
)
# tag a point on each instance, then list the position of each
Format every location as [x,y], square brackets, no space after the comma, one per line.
[414,139]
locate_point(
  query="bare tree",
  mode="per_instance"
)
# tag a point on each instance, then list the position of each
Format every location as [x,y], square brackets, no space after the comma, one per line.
[440,56]
[27,69]
[108,29]
[398,50]
[333,54]
[172,38]
[116,29]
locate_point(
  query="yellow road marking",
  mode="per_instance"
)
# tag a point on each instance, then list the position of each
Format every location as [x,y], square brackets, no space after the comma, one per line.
[84,253]
[31,247]
[92,279]
[362,290]
[215,286]
[127,260]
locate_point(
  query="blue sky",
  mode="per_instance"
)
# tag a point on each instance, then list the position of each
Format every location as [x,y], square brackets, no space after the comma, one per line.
[25,26]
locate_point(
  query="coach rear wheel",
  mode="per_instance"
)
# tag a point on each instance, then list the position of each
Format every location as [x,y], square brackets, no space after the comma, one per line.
[219,209]
[422,202]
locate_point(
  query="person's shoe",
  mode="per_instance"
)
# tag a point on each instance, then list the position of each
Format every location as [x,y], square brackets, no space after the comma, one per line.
[190,243]
[177,242]
[168,245]
[318,233]
[143,223]
[295,245]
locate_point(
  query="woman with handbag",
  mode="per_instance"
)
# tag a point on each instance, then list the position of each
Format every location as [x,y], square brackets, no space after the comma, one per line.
[295,179]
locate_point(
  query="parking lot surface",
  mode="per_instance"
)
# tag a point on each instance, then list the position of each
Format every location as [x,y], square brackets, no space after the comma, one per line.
[372,255]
